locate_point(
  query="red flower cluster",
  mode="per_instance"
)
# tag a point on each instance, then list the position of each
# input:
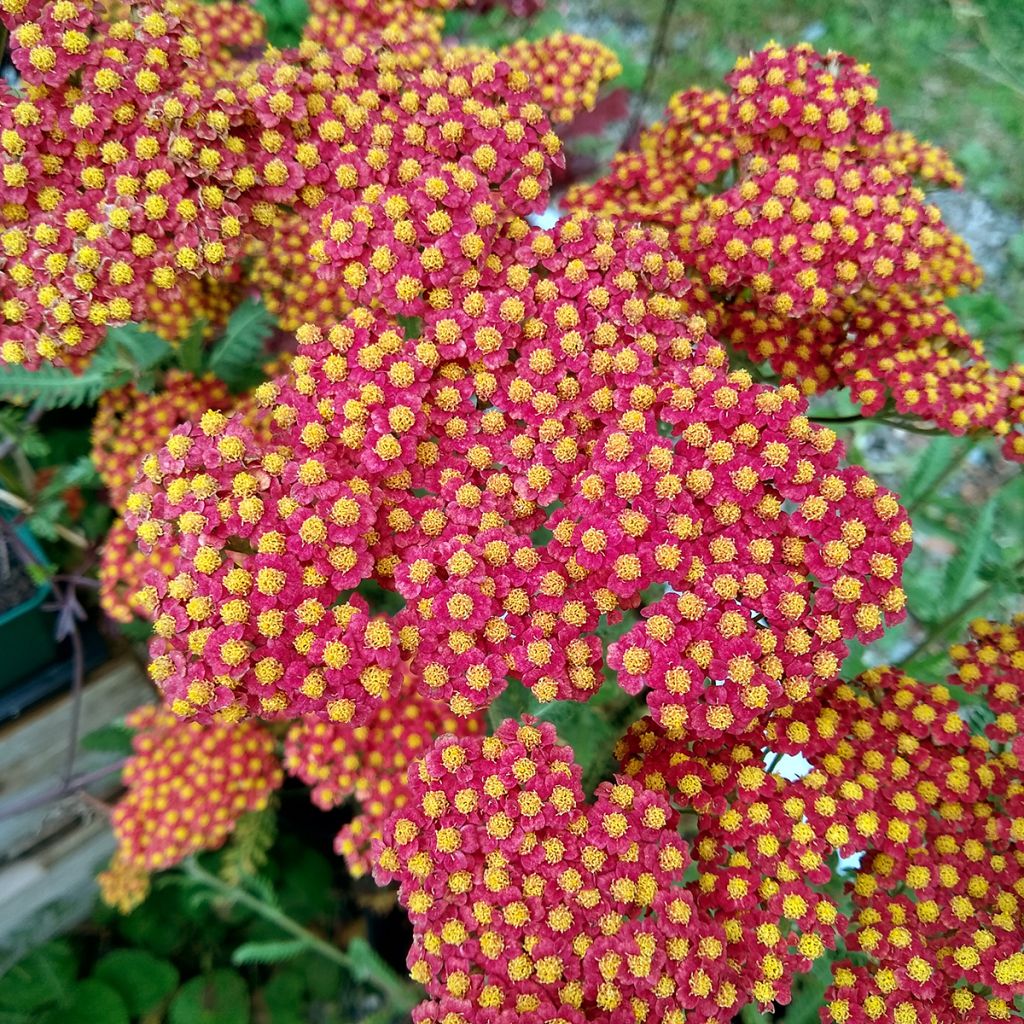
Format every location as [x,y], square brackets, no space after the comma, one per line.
[114,179]
[527,901]
[992,663]
[130,424]
[410,219]
[369,763]
[429,461]
[187,787]
[658,180]
[496,854]
[230,33]
[123,172]
[286,276]
[567,71]
[760,861]
[823,258]
[409,29]
[938,814]
[173,314]
[270,535]
[124,570]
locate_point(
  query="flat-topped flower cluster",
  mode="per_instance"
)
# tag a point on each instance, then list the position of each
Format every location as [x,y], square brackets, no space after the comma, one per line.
[822,256]
[526,436]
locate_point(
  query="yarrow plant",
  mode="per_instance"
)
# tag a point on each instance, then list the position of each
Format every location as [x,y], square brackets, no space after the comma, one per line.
[506,469]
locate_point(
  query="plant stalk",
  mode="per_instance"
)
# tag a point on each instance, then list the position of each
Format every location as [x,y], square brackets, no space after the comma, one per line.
[653,61]
[944,625]
[400,996]
[955,463]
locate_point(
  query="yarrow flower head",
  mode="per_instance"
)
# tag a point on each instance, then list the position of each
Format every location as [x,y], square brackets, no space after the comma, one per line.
[287,278]
[110,190]
[409,219]
[992,663]
[690,145]
[124,571]
[270,534]
[370,763]
[936,813]
[524,898]
[169,158]
[823,258]
[428,461]
[760,864]
[174,315]
[129,424]
[567,71]
[187,787]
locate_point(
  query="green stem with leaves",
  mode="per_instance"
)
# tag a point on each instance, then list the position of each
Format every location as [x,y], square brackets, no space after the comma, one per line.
[955,463]
[399,995]
[942,628]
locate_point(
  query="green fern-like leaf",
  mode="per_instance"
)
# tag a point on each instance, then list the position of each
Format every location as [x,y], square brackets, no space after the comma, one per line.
[27,437]
[237,357]
[140,349]
[80,473]
[128,353]
[962,570]
[52,388]
[250,845]
[264,889]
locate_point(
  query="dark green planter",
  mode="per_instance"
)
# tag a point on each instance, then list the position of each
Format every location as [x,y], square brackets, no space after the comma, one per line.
[27,640]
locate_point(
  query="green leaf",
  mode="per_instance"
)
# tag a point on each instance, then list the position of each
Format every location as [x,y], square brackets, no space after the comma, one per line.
[962,569]
[190,351]
[43,977]
[250,845]
[146,926]
[114,738]
[263,888]
[53,388]
[139,348]
[237,357]
[1015,248]
[369,966]
[809,993]
[589,734]
[285,997]
[127,353]
[285,20]
[752,1015]
[142,980]
[513,702]
[80,473]
[929,469]
[25,435]
[138,630]
[268,952]
[220,997]
[91,1002]
[929,666]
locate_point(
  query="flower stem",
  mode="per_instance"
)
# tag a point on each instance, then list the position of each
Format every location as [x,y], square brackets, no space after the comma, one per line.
[954,464]
[944,625]
[400,996]
[857,417]
[653,61]
[854,417]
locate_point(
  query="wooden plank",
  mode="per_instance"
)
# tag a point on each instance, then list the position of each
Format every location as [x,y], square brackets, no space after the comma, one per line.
[34,748]
[51,891]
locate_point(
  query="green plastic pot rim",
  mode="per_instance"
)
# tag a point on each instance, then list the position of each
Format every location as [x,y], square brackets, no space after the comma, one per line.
[42,589]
